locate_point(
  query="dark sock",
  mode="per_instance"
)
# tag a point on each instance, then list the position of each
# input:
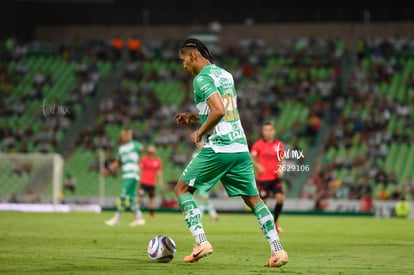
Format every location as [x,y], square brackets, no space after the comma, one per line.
[278,210]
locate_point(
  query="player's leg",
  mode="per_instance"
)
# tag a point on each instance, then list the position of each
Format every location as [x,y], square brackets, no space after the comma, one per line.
[192,216]
[240,181]
[201,200]
[203,171]
[279,198]
[151,203]
[131,187]
[212,210]
[141,195]
[206,205]
[120,206]
[277,189]
[264,190]
[265,219]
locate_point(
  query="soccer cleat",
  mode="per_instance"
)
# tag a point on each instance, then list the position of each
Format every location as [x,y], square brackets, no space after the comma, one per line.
[137,223]
[200,251]
[278,259]
[112,222]
[278,228]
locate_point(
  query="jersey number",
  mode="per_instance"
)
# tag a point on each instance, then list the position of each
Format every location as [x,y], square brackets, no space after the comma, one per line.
[230,104]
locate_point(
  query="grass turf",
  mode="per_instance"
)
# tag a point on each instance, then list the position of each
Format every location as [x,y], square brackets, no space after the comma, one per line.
[80,243]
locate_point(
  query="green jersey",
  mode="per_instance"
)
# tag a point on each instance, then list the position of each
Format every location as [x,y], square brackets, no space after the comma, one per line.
[128,155]
[228,135]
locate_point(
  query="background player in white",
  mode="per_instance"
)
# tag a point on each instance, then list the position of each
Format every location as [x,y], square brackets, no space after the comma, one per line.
[127,158]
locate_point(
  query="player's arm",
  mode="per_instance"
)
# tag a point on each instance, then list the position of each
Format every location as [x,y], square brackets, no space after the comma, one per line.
[160,179]
[255,159]
[111,167]
[282,162]
[140,166]
[217,112]
[186,118]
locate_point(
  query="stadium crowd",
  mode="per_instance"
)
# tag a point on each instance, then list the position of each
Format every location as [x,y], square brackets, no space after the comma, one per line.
[355,163]
[25,90]
[307,71]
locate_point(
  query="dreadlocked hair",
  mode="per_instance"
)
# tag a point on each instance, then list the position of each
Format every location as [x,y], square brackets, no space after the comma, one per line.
[200,46]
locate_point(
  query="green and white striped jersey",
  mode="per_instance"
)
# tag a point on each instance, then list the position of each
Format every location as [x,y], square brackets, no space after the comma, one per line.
[128,155]
[228,135]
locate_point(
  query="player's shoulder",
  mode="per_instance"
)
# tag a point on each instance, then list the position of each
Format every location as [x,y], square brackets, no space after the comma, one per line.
[137,143]
[202,77]
[259,141]
[257,144]
[278,141]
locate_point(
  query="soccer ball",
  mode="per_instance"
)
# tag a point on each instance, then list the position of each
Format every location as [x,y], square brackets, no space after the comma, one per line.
[161,249]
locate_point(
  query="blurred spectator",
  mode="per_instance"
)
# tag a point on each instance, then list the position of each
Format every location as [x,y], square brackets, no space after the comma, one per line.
[393,178]
[117,44]
[383,194]
[22,169]
[396,194]
[13,198]
[381,177]
[133,45]
[70,183]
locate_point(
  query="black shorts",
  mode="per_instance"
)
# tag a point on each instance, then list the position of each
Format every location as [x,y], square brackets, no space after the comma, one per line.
[147,189]
[271,186]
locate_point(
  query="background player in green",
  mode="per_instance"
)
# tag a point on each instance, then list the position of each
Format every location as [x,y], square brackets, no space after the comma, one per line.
[128,159]
[224,155]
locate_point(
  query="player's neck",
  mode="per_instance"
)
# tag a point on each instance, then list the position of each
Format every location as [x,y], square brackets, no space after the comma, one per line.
[202,65]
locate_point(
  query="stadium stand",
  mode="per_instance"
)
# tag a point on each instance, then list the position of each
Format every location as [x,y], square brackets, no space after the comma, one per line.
[369,152]
[159,84]
[301,85]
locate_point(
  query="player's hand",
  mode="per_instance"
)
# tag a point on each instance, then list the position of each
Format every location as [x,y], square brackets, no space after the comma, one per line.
[196,139]
[185,118]
[279,173]
[260,168]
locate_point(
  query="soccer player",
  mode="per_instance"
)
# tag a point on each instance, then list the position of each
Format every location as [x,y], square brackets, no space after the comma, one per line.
[151,175]
[267,154]
[224,155]
[127,158]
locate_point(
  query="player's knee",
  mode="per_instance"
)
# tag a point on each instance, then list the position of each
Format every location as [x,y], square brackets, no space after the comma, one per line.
[181,188]
[251,201]
[279,198]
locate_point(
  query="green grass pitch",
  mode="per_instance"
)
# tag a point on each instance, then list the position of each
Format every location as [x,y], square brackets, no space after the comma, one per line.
[80,243]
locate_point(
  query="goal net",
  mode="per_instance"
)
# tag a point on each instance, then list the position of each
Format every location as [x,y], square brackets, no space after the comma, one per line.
[27,177]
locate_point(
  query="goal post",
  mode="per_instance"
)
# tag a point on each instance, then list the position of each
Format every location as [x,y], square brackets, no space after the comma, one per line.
[27,177]
[57,179]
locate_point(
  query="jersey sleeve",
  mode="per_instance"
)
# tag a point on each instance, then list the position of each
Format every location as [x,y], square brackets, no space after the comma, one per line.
[204,86]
